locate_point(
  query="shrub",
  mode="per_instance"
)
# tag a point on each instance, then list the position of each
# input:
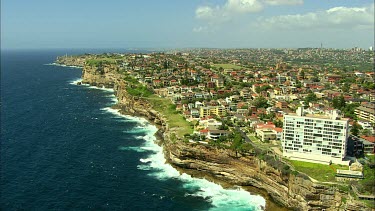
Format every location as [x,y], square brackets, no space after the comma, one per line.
[295,173]
[286,170]
[304,176]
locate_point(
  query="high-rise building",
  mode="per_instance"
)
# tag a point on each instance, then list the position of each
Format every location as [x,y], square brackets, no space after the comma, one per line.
[315,138]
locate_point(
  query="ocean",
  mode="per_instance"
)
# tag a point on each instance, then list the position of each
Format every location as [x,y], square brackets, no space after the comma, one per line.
[64,148]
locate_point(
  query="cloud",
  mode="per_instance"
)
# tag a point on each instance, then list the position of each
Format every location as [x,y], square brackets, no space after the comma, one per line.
[243,6]
[204,12]
[337,17]
[283,2]
[235,8]
[223,13]
[199,29]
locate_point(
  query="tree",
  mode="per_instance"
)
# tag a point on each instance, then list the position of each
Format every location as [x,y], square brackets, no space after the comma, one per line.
[311,97]
[246,147]
[366,132]
[302,74]
[327,86]
[236,143]
[355,129]
[339,102]
[345,87]
[259,89]
[315,79]
[299,84]
[260,102]
[278,123]
[223,127]
[349,110]
[166,64]
[223,139]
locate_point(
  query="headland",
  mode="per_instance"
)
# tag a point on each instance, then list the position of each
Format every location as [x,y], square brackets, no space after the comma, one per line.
[254,170]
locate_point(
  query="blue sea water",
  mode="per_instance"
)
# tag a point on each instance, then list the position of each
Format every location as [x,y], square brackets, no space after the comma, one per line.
[64,148]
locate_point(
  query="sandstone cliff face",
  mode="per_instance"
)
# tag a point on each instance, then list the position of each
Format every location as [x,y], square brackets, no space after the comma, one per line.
[292,191]
[105,75]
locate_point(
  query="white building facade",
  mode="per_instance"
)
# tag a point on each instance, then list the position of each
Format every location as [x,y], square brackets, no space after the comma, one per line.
[313,138]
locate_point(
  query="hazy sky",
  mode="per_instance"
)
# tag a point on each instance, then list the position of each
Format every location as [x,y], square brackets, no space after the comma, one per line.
[186,23]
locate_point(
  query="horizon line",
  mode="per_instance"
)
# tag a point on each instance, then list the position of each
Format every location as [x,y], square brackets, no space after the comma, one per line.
[170,48]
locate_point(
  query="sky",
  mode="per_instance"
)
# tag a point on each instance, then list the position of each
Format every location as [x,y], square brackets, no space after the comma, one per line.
[44,24]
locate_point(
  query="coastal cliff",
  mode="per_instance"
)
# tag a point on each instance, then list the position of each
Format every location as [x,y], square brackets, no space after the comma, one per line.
[294,191]
[78,61]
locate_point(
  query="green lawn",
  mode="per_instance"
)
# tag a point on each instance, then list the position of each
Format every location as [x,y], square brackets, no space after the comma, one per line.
[175,120]
[371,158]
[140,91]
[228,66]
[253,138]
[97,61]
[366,185]
[320,172]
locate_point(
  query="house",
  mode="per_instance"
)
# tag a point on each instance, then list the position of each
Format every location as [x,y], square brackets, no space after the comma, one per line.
[210,123]
[215,134]
[156,82]
[281,104]
[198,104]
[194,113]
[237,118]
[245,93]
[279,133]
[265,134]
[210,85]
[186,114]
[368,144]
[203,132]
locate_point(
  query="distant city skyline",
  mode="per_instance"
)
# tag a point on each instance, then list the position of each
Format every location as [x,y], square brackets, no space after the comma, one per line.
[187,24]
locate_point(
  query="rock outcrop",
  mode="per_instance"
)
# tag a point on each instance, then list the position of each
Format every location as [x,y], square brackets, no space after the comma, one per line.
[296,192]
[102,76]
[78,61]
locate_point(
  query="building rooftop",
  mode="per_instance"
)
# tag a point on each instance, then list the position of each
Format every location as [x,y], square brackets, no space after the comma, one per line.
[349,173]
[366,109]
[318,116]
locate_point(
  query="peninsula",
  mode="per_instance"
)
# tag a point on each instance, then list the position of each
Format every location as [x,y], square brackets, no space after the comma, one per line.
[220,115]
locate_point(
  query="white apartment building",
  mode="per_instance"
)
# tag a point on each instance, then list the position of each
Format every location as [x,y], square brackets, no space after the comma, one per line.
[315,138]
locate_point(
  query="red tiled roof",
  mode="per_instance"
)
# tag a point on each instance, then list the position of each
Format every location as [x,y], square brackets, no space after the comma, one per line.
[278,129]
[369,138]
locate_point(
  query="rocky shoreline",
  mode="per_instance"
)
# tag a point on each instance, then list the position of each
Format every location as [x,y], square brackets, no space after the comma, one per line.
[288,190]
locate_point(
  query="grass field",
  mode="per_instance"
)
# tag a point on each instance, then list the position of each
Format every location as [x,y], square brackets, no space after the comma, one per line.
[175,120]
[320,172]
[228,66]
[95,62]
[253,138]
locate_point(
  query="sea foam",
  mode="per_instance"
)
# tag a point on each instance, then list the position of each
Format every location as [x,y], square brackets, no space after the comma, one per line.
[220,198]
[63,65]
[76,81]
[101,88]
[137,149]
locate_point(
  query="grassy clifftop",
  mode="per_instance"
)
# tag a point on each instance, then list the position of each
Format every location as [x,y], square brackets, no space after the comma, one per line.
[175,120]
